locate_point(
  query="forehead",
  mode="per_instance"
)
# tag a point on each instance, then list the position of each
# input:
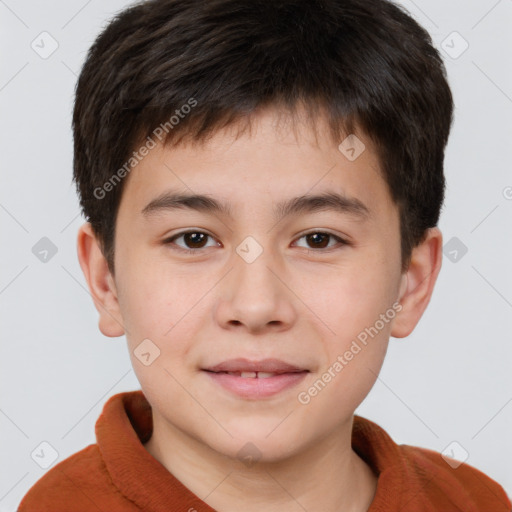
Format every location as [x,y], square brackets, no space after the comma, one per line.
[262,168]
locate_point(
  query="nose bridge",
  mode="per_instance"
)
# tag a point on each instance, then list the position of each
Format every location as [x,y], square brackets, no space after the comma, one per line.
[252,263]
[255,297]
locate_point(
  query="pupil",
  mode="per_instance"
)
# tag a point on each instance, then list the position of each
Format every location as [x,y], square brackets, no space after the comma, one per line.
[191,236]
[314,237]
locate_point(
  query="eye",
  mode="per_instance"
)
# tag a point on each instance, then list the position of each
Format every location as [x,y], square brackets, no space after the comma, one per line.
[320,239]
[194,240]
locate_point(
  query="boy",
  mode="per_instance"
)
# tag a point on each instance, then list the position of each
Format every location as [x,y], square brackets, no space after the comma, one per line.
[262,183]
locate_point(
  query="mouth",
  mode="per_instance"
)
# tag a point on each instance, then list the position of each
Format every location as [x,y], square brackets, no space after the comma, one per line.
[256,379]
[255,375]
[241,365]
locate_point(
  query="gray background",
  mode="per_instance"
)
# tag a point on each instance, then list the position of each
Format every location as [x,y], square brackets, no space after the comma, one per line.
[448,381]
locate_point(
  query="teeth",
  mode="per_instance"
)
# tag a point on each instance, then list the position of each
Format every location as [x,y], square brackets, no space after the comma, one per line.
[252,375]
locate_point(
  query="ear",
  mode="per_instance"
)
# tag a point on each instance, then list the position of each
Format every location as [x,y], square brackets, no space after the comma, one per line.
[418,283]
[100,281]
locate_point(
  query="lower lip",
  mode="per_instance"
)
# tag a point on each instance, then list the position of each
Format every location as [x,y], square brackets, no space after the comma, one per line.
[256,388]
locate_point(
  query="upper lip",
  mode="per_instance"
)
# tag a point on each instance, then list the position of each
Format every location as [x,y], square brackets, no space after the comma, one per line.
[246,365]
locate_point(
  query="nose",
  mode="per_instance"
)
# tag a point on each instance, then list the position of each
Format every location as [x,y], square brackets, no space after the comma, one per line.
[255,295]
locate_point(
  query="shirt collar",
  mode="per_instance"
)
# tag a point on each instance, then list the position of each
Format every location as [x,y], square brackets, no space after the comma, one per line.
[126,424]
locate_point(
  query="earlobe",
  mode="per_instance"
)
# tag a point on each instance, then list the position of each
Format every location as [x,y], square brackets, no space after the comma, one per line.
[100,282]
[418,283]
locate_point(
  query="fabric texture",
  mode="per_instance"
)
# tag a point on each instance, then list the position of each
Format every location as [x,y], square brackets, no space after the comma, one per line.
[117,474]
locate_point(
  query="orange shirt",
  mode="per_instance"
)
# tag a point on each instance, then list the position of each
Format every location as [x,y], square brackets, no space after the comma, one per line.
[117,474]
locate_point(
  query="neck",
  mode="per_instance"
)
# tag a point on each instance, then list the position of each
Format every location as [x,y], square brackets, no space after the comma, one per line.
[326,477]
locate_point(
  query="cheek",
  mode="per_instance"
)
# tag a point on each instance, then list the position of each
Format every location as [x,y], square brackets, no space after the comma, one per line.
[167,311]
[351,297]
[354,359]
[152,296]
[358,308]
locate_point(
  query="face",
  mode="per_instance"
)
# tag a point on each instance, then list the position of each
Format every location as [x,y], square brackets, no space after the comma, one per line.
[257,280]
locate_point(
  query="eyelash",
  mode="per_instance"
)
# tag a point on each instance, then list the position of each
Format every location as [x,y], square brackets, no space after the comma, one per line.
[170,240]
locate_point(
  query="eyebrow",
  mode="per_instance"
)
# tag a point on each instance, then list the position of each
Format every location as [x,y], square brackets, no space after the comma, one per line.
[328,201]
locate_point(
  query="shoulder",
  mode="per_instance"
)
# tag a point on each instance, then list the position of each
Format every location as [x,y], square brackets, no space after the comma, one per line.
[414,478]
[447,481]
[79,483]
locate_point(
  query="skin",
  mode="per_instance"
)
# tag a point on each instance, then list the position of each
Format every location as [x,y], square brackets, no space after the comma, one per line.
[302,306]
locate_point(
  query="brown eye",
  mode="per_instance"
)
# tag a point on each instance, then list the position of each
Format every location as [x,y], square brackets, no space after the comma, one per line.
[318,240]
[193,241]
[321,240]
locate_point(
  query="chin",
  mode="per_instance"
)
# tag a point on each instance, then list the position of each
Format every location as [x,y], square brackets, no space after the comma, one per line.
[261,441]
